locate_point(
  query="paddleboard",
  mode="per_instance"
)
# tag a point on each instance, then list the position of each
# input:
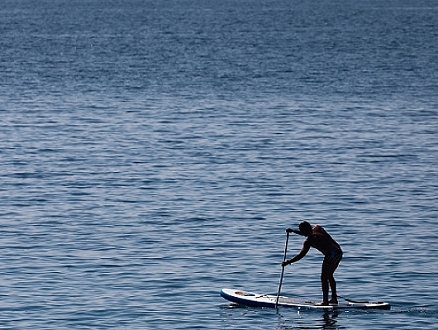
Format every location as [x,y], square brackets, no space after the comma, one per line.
[251,299]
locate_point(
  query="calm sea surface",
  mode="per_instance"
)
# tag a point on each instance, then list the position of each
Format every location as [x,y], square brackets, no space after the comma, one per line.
[153,152]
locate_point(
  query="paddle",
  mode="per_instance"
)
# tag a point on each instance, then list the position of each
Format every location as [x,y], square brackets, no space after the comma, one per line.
[282,269]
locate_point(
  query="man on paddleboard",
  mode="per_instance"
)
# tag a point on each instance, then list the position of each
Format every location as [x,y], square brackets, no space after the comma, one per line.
[318,238]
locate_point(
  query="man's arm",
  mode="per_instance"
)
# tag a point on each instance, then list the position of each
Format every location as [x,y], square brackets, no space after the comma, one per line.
[290,230]
[299,256]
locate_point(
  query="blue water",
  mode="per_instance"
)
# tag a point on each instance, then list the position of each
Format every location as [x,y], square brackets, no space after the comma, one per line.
[153,152]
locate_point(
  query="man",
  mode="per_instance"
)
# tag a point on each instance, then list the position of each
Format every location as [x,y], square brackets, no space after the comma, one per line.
[318,238]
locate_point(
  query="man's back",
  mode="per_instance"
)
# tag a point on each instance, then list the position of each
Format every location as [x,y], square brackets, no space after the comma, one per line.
[321,240]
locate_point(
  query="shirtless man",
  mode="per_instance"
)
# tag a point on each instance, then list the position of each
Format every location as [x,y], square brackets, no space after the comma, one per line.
[318,238]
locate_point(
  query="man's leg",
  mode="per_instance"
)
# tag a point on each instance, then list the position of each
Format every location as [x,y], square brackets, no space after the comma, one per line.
[332,282]
[325,289]
[326,279]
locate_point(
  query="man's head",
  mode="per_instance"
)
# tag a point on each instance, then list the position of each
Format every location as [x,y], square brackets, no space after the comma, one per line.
[305,228]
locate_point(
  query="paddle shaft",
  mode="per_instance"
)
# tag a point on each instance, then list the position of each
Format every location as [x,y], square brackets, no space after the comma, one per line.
[282,269]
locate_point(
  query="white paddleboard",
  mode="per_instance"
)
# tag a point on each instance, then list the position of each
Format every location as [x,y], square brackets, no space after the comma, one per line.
[263,300]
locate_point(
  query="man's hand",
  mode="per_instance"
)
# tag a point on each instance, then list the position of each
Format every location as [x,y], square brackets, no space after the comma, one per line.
[290,230]
[285,263]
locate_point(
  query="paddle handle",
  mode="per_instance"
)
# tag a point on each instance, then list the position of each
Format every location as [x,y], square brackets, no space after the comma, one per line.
[282,269]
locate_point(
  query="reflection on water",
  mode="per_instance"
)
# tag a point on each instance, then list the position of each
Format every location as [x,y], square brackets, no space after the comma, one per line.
[329,319]
[284,318]
[309,320]
[293,319]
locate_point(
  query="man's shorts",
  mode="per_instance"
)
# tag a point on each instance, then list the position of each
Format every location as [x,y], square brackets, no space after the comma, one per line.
[333,257]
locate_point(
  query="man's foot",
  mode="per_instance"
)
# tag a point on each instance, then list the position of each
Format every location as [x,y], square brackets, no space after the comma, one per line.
[322,303]
[333,301]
